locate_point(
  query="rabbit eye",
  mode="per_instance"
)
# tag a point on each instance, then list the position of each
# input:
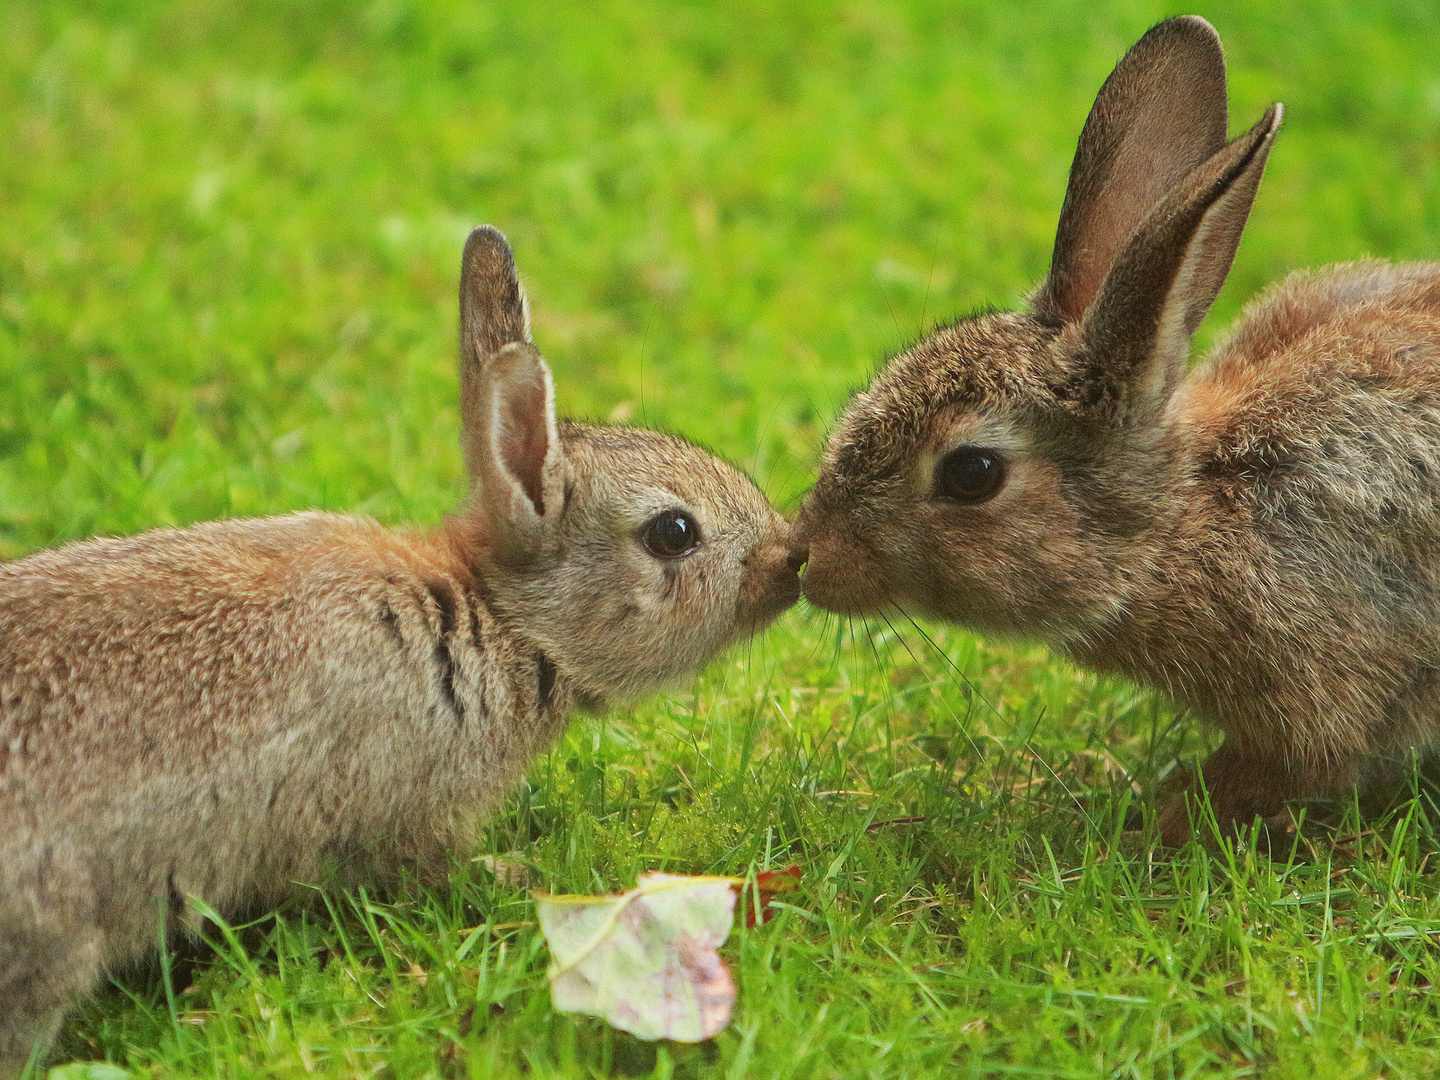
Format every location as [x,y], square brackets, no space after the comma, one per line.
[969,474]
[670,535]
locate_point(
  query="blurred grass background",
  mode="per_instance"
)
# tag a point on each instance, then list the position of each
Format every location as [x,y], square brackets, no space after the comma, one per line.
[228,261]
[232,231]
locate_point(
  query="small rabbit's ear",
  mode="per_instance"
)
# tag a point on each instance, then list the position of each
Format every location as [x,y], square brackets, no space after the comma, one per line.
[493,311]
[493,314]
[1160,114]
[1136,333]
[513,447]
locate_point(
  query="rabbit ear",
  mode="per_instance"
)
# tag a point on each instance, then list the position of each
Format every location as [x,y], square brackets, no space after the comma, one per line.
[1136,334]
[493,313]
[514,450]
[1160,114]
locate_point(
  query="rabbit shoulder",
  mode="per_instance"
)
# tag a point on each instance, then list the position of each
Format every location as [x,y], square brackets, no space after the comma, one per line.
[1325,395]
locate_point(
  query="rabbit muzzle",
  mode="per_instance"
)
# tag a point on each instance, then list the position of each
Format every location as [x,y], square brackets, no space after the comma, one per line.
[842,574]
[771,584]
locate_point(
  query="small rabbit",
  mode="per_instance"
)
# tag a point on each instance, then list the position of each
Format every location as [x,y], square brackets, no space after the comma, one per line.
[1260,541]
[223,710]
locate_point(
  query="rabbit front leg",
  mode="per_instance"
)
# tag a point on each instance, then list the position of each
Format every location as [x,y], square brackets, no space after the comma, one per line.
[50,956]
[39,982]
[1243,784]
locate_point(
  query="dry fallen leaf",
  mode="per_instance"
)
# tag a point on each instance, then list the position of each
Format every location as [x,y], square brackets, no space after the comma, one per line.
[645,960]
[767,884]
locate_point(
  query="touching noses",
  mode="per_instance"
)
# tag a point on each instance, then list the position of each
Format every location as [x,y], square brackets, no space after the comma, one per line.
[798,556]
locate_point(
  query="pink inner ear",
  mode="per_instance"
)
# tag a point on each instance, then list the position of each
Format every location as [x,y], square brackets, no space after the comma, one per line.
[524,439]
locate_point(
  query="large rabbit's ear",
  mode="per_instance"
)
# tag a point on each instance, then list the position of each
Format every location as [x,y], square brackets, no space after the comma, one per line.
[1136,333]
[1160,114]
[507,402]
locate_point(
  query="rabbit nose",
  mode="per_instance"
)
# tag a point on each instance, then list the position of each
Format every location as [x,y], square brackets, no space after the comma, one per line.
[797,558]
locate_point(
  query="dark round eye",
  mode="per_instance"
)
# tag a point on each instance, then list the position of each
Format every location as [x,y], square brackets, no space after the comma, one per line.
[670,535]
[969,474]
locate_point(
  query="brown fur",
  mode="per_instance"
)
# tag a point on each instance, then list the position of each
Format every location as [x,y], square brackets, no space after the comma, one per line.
[1261,541]
[225,710]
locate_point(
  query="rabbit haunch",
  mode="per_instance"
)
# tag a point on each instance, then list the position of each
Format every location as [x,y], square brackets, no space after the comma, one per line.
[225,710]
[1260,540]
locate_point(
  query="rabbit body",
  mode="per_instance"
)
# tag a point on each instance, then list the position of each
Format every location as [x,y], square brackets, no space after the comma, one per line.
[1260,540]
[225,710]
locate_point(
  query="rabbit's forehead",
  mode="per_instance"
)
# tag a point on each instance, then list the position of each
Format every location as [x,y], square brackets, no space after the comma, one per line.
[996,429]
[645,473]
[966,383]
[714,506]
[990,358]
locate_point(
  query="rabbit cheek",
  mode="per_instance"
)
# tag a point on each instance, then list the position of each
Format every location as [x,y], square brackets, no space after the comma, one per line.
[680,620]
[1008,565]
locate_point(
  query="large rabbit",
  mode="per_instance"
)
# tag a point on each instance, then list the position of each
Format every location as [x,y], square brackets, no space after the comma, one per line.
[1260,540]
[223,710]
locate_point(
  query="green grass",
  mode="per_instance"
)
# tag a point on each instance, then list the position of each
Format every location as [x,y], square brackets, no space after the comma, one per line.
[227,275]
